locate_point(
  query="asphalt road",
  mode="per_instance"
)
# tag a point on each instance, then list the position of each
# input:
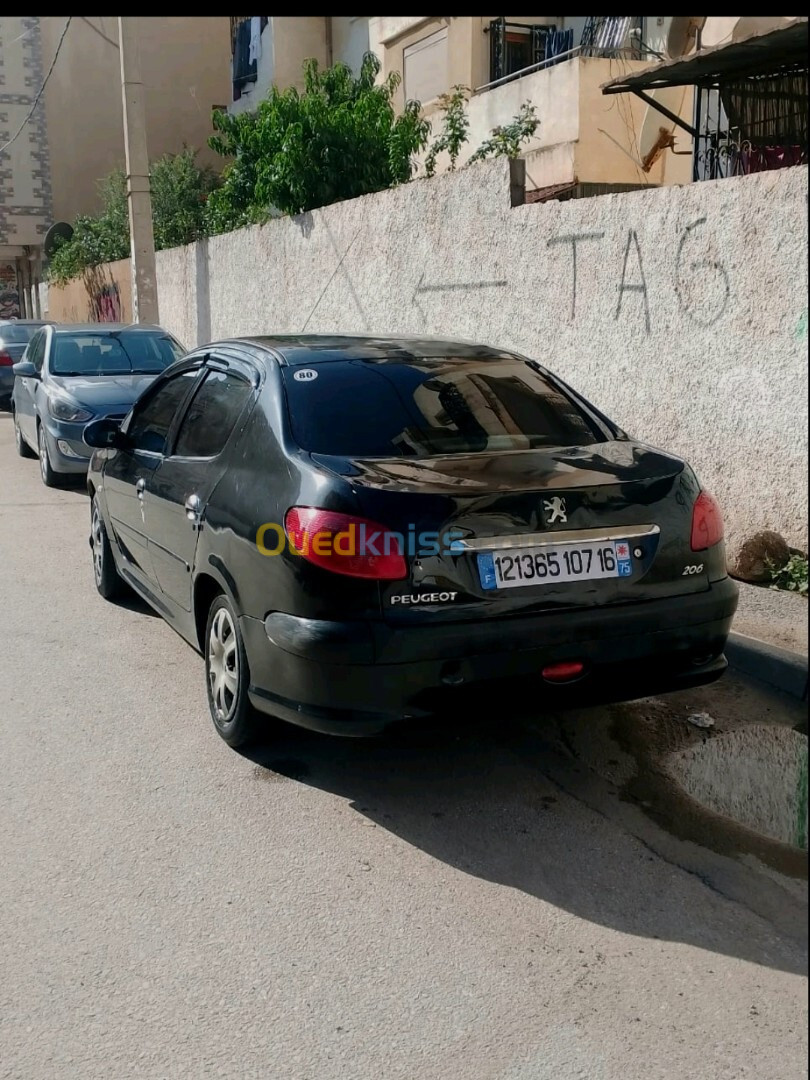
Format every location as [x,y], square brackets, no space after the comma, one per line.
[492,902]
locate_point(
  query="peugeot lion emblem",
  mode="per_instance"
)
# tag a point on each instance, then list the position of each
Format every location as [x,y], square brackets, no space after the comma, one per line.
[555,508]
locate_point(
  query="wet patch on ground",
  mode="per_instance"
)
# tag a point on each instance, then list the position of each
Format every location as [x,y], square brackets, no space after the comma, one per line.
[737,787]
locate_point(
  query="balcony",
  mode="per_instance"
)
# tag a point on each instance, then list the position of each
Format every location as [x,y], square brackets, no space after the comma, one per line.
[582,138]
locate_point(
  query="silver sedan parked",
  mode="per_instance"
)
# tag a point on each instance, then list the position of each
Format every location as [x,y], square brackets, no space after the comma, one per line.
[70,375]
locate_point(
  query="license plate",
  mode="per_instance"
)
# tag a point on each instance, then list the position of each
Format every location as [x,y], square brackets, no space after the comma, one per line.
[554,564]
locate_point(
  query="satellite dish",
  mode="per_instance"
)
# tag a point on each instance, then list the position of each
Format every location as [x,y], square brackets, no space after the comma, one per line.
[657,131]
[58,233]
[683,35]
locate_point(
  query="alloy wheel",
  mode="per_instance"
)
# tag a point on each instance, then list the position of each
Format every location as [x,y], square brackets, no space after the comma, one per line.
[97,540]
[43,456]
[223,666]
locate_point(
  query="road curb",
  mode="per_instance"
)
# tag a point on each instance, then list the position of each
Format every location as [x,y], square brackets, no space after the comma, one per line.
[780,668]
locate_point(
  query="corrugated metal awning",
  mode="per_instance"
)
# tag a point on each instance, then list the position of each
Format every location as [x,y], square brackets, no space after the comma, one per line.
[770,52]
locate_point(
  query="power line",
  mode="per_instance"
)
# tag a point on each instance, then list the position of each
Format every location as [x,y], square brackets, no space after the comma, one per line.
[100,33]
[41,91]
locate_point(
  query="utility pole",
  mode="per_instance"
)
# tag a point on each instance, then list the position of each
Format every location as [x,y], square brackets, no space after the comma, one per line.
[141,233]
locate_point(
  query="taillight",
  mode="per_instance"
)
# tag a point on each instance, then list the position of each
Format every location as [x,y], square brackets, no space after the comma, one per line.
[345,544]
[707,522]
[6,360]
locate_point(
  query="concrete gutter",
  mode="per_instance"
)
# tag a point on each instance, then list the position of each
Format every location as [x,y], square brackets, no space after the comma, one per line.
[780,668]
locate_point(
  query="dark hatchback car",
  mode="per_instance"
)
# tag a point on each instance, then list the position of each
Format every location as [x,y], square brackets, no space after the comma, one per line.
[14,337]
[351,529]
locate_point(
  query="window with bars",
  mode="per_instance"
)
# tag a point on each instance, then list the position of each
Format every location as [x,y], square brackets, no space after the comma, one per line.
[515,46]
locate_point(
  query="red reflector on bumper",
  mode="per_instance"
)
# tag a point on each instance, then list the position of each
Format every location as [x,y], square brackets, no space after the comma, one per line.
[564,671]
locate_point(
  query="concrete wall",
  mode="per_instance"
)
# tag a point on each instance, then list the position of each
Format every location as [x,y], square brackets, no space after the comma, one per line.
[103,294]
[681,311]
[185,64]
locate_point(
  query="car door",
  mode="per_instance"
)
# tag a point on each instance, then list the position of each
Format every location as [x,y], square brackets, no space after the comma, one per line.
[26,391]
[129,472]
[188,474]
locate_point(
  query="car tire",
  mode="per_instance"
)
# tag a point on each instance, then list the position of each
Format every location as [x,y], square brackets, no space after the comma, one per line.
[50,478]
[108,581]
[227,676]
[23,449]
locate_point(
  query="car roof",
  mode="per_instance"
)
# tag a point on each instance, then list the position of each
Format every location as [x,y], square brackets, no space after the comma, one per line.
[297,349]
[103,328]
[24,322]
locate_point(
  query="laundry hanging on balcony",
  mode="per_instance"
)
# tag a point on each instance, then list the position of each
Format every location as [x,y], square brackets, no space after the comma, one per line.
[558,44]
[255,50]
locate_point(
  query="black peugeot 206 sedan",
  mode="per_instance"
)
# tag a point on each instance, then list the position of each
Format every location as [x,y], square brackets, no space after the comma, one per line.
[350,529]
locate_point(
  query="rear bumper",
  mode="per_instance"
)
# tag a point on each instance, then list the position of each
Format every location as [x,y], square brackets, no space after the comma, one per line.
[6,381]
[358,678]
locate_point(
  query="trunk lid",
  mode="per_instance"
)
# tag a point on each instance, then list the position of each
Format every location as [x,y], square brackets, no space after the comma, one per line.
[555,501]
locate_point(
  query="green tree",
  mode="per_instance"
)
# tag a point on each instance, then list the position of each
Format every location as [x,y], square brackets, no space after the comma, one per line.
[507,140]
[180,193]
[455,129]
[337,139]
[180,190]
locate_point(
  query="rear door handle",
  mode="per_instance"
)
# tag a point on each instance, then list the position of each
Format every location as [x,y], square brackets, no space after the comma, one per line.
[139,486]
[193,506]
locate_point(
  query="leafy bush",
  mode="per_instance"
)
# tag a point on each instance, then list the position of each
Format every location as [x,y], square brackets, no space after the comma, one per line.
[95,239]
[180,194]
[792,576]
[337,139]
[507,140]
[180,190]
[455,129]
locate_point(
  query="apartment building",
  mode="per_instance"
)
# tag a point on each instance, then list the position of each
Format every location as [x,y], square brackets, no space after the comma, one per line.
[585,142]
[557,63]
[64,138]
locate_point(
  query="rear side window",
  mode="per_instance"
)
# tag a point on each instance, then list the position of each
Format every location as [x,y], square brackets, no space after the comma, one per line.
[35,352]
[16,333]
[212,415]
[363,408]
[151,419]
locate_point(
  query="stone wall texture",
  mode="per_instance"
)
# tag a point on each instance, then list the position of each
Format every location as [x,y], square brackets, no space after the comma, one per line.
[680,311]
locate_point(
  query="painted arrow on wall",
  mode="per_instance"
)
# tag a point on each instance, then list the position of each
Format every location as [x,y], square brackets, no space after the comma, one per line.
[452,286]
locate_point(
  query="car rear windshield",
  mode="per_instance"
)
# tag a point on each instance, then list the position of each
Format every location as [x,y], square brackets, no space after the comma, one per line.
[362,408]
[119,353]
[17,333]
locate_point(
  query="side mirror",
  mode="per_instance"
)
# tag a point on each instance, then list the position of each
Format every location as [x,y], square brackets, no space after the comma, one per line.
[25,370]
[105,434]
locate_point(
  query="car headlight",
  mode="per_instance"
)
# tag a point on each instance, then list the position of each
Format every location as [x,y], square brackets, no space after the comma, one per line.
[66,410]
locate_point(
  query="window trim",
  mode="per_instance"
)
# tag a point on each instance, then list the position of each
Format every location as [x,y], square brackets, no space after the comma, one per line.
[222,365]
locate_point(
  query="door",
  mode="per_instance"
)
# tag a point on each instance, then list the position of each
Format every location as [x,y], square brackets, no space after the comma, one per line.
[188,475]
[26,390]
[129,473]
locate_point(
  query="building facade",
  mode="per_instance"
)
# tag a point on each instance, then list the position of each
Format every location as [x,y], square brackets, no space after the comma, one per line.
[267,50]
[74,135]
[556,63]
[184,70]
[25,189]
[585,142]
